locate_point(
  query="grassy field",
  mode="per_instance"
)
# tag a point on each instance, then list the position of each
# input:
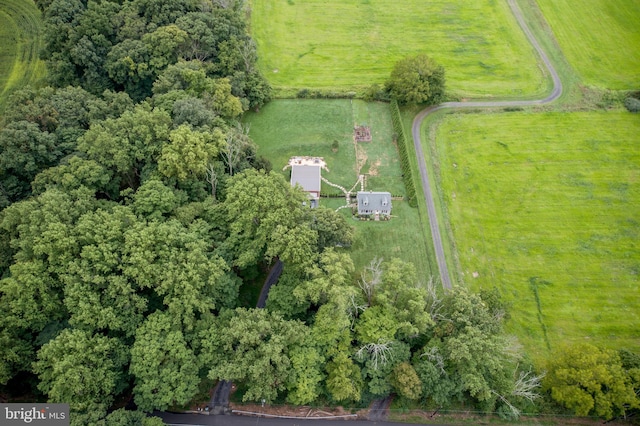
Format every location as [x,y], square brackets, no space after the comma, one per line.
[286,128]
[545,207]
[20,43]
[601,41]
[350,44]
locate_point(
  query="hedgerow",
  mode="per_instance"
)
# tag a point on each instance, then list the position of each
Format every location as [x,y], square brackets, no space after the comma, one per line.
[401,141]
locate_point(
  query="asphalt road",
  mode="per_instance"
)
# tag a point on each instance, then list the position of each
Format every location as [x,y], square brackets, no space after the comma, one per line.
[417,123]
[232,420]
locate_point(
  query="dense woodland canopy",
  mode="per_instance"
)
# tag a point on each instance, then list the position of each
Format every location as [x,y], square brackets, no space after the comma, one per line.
[136,209]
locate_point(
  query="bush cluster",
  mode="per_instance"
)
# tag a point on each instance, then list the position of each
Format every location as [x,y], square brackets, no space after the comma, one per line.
[319,94]
[632,104]
[401,141]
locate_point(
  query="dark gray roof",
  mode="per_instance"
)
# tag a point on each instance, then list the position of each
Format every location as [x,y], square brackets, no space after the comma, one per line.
[370,202]
[308,177]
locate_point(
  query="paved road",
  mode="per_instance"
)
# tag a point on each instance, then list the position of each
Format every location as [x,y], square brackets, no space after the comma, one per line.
[417,123]
[233,420]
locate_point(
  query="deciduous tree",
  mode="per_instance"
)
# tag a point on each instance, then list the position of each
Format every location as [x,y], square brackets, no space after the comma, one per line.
[189,152]
[417,80]
[82,369]
[164,366]
[253,347]
[590,381]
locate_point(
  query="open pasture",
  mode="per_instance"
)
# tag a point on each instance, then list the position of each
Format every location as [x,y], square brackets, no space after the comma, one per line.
[600,39]
[545,208]
[350,44]
[286,128]
[20,42]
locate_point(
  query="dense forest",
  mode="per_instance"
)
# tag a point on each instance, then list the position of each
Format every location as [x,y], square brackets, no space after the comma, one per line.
[136,210]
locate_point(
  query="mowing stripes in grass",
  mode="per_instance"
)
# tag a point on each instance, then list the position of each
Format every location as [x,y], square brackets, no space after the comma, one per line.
[20,42]
[600,38]
[545,207]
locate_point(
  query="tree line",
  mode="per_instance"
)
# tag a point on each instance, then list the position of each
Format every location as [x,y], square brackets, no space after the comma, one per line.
[135,207]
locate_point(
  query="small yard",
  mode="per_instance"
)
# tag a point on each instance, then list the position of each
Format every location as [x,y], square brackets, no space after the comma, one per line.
[286,128]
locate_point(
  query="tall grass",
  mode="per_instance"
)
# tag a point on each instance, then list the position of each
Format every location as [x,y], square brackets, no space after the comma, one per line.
[545,207]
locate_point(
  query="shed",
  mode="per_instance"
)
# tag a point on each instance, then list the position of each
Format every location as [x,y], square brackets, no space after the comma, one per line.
[306,172]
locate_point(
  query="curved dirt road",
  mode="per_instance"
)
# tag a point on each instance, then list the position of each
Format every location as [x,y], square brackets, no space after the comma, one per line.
[417,123]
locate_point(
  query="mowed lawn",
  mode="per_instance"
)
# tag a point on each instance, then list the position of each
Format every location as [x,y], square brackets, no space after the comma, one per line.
[600,38]
[20,43]
[350,44]
[304,127]
[546,207]
[286,128]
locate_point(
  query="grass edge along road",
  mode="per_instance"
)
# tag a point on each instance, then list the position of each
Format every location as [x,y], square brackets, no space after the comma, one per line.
[24,67]
[548,220]
[416,131]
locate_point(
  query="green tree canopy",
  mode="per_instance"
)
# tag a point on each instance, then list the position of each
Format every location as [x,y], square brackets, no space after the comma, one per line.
[82,369]
[417,80]
[253,347]
[163,364]
[590,381]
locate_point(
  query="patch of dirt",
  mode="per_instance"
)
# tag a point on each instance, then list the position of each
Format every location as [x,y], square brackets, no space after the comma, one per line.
[361,158]
[373,169]
[362,133]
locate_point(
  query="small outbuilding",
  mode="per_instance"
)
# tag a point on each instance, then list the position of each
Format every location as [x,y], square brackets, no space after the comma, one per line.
[306,172]
[374,204]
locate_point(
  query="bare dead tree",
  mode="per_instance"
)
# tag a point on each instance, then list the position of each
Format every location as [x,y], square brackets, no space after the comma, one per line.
[212,179]
[370,278]
[434,355]
[249,55]
[523,387]
[434,300]
[526,385]
[380,353]
[235,144]
[354,310]
[515,412]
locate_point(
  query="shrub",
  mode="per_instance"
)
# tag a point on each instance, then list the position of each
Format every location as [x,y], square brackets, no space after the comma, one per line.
[303,94]
[417,80]
[632,104]
[375,92]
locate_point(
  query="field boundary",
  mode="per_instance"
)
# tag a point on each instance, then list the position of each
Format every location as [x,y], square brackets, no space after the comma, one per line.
[405,165]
